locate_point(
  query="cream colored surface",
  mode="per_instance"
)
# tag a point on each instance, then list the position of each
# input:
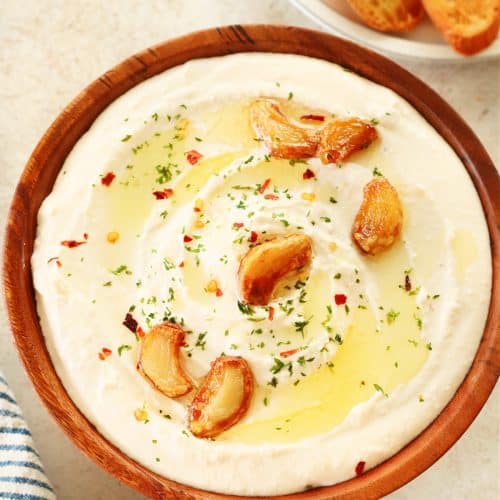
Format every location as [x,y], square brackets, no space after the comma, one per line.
[30,110]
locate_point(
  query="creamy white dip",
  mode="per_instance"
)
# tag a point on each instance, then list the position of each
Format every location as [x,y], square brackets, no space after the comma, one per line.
[82,302]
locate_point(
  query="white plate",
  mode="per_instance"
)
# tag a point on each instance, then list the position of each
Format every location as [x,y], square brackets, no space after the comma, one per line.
[424,42]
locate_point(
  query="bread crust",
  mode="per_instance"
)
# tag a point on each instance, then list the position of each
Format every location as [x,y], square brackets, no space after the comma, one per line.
[453,19]
[390,15]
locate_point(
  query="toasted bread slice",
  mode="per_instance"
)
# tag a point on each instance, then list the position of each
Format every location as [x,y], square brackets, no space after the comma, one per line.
[468,25]
[389,15]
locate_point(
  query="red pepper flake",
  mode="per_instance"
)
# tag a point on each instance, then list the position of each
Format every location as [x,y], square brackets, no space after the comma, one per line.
[196,209]
[163,195]
[193,156]
[195,413]
[407,283]
[72,243]
[360,468]
[363,382]
[308,174]
[286,354]
[108,179]
[140,332]
[271,197]
[181,264]
[187,238]
[57,261]
[314,118]
[270,315]
[264,186]
[253,237]
[238,225]
[130,323]
[218,292]
[105,353]
[85,236]
[340,299]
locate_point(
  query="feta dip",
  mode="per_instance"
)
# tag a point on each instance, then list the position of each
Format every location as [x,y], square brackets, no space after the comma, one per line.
[149,218]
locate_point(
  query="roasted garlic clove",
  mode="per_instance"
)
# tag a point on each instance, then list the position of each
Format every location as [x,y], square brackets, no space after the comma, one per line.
[283,138]
[379,218]
[159,361]
[344,136]
[266,264]
[223,397]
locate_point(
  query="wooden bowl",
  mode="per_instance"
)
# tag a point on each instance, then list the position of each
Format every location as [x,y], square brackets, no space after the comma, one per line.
[46,161]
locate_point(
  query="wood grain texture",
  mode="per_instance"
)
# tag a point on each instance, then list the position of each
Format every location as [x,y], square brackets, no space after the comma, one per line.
[42,168]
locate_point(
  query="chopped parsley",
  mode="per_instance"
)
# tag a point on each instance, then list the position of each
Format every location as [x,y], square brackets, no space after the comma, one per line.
[123,347]
[391,316]
[120,269]
[380,389]
[245,308]
[164,174]
[273,382]
[419,321]
[200,341]
[295,162]
[277,367]
[300,325]
[168,264]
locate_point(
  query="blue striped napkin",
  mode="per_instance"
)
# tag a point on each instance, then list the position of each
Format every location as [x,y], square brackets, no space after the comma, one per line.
[21,473]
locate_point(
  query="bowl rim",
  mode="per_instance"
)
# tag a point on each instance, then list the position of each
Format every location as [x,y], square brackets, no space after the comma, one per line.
[47,159]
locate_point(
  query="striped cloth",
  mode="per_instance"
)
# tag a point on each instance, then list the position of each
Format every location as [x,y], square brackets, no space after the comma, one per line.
[21,473]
